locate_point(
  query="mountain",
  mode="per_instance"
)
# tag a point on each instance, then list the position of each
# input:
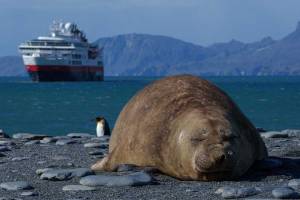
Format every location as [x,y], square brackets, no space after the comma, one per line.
[152,55]
[141,54]
[149,55]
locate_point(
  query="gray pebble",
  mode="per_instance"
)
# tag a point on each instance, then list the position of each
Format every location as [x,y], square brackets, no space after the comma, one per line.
[32,142]
[95,145]
[3,134]
[62,137]
[29,194]
[16,185]
[284,193]
[6,142]
[65,174]
[274,134]
[233,193]
[80,135]
[292,132]
[28,136]
[65,142]
[125,167]
[77,188]
[294,183]
[41,171]
[61,157]
[4,148]
[96,153]
[48,140]
[19,158]
[135,179]
[100,139]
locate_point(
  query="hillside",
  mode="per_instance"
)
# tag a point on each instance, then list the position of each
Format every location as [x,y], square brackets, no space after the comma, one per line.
[151,55]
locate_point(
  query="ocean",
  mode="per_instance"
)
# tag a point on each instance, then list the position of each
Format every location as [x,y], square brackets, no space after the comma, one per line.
[272,103]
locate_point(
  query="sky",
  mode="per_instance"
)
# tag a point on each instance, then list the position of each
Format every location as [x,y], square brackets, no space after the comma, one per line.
[202,22]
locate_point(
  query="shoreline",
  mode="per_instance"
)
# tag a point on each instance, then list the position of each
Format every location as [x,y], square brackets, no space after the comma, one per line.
[27,158]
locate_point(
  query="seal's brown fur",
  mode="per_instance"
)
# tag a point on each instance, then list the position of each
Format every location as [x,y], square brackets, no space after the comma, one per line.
[187,128]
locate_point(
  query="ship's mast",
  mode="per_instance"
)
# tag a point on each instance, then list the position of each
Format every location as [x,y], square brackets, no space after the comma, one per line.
[60,29]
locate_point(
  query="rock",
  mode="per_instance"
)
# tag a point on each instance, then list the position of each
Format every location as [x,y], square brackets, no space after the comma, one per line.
[77,188]
[64,142]
[29,194]
[126,168]
[284,193]
[100,139]
[292,132]
[294,183]
[274,134]
[61,157]
[16,185]
[135,179]
[62,137]
[233,193]
[261,130]
[96,153]
[4,148]
[19,158]
[267,164]
[6,143]
[80,135]
[229,193]
[41,162]
[41,171]
[95,145]
[32,142]
[28,136]
[3,134]
[65,174]
[222,189]
[2,155]
[48,140]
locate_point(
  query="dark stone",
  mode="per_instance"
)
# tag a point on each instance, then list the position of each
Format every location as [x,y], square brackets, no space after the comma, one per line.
[135,179]
[16,185]
[284,193]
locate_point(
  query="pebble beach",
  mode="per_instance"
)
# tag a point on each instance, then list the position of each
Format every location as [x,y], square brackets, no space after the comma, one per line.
[43,167]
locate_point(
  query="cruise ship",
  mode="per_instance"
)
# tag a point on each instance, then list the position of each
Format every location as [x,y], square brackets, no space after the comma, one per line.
[64,55]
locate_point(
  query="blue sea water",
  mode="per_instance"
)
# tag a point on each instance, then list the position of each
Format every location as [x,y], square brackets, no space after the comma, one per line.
[60,108]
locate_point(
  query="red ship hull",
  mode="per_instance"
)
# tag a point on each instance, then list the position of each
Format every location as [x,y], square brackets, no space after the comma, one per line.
[65,73]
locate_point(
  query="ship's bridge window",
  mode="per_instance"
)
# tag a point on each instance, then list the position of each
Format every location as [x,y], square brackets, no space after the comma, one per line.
[78,45]
[76,56]
[48,43]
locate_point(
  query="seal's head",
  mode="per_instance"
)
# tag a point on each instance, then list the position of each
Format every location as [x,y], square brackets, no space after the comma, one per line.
[207,146]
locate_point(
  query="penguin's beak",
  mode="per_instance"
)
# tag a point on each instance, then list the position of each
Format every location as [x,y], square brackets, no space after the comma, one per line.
[93,120]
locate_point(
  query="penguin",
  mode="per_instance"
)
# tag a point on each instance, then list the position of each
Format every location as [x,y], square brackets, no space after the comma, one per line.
[102,127]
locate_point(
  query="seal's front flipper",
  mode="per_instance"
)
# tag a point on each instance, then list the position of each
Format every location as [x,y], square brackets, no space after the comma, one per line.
[100,165]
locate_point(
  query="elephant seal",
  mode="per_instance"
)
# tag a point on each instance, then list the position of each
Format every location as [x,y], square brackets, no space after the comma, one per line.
[187,128]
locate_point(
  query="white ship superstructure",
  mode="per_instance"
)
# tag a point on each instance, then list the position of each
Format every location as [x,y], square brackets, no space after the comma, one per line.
[65,55]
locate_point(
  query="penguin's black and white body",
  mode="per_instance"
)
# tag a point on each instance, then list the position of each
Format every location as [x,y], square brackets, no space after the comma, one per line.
[102,127]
